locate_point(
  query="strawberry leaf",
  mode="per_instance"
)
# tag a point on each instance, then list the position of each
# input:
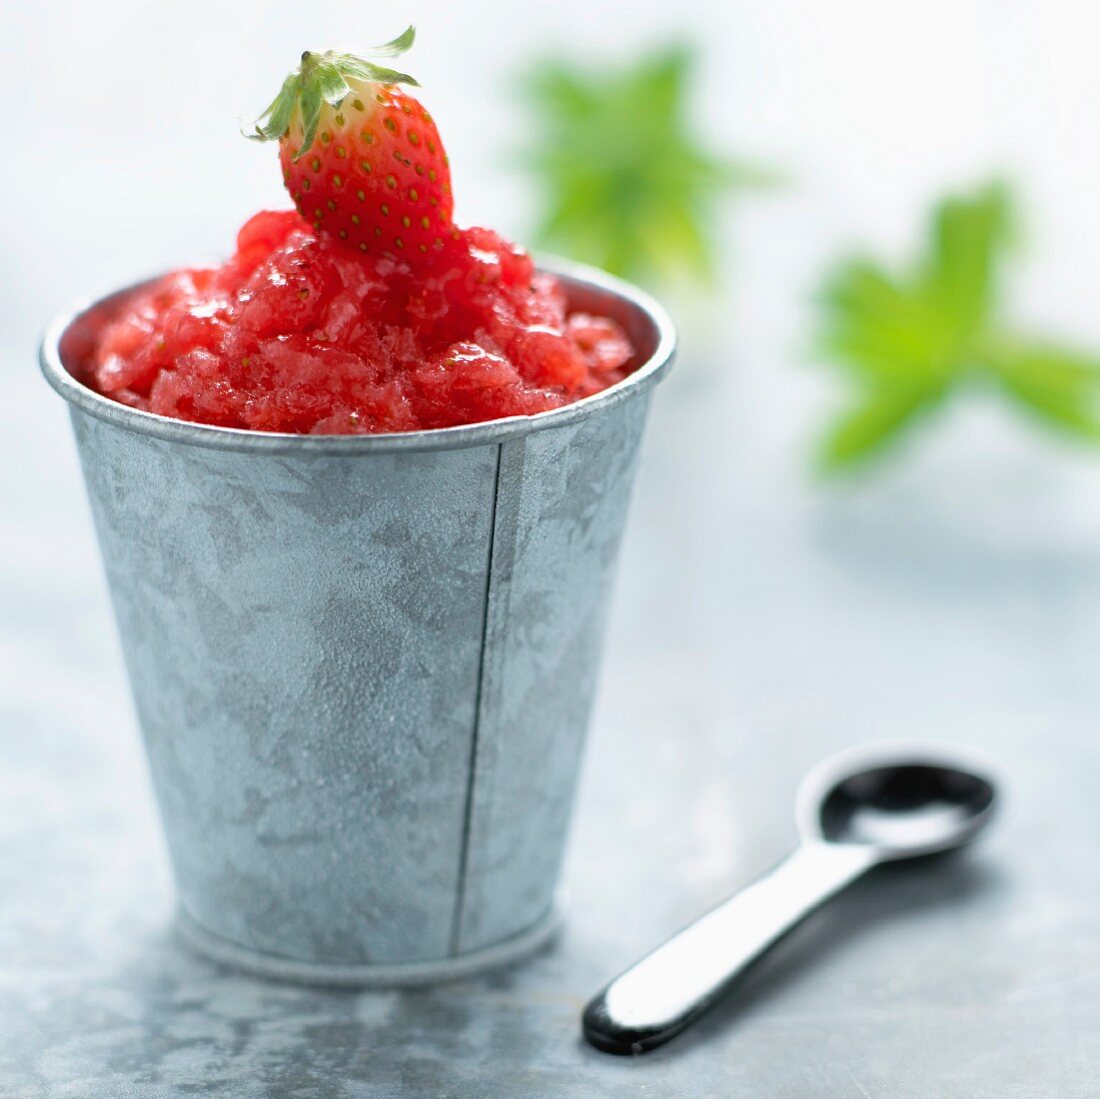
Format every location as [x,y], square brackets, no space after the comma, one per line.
[310,101]
[279,113]
[359,69]
[331,85]
[323,78]
[396,46]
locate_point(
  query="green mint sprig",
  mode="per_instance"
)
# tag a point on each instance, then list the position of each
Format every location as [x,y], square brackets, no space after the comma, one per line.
[624,183]
[911,341]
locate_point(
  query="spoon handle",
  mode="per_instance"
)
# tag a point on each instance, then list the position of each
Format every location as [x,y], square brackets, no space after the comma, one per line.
[672,986]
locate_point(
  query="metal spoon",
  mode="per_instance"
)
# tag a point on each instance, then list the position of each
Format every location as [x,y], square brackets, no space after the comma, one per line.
[854,810]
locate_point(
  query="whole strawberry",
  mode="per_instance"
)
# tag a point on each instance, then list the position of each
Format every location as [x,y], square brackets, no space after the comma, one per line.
[361,158]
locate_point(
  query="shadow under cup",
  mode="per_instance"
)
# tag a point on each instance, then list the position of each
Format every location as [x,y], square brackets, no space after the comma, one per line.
[363,665]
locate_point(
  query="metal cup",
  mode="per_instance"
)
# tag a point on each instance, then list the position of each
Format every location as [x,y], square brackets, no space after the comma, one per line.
[363,665]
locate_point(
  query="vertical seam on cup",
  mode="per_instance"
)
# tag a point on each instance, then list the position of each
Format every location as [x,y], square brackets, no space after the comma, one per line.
[467,820]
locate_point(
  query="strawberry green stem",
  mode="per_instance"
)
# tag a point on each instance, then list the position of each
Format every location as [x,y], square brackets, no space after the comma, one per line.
[326,78]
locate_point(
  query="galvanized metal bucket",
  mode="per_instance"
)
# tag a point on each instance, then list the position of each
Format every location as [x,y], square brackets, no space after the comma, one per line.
[363,666]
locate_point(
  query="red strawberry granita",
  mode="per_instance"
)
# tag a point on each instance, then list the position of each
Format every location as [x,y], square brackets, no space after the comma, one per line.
[366,309]
[295,333]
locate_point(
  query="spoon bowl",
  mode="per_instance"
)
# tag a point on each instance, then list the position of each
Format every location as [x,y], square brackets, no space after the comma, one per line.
[901,804]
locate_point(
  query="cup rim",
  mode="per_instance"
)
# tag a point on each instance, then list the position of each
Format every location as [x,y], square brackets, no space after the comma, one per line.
[489,432]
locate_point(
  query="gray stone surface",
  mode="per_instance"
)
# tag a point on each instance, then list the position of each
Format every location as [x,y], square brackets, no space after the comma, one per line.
[760,621]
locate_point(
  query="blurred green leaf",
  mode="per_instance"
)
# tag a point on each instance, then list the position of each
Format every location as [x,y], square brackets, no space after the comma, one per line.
[909,340]
[874,424]
[1058,385]
[623,181]
[969,236]
[879,328]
